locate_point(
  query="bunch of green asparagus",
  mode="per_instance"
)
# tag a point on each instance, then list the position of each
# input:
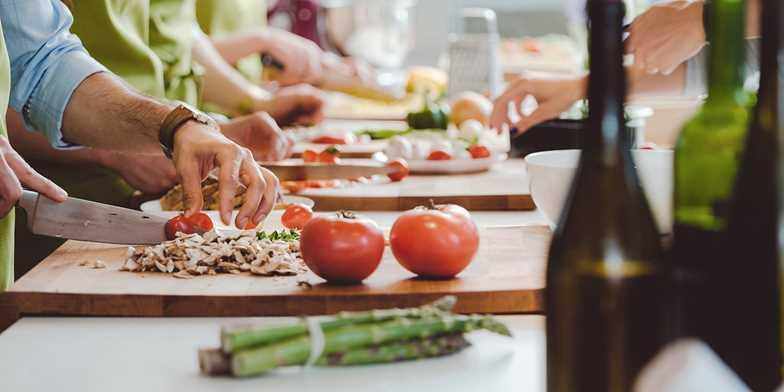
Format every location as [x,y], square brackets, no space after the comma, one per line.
[350,338]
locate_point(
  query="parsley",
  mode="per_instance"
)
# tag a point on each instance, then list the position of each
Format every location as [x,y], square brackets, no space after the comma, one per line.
[282,235]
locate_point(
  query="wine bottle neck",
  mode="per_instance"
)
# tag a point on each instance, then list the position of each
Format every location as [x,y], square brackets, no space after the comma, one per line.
[726,52]
[605,136]
[767,110]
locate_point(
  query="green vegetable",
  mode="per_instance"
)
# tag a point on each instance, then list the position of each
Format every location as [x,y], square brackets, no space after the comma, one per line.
[283,235]
[215,362]
[295,351]
[383,134]
[434,346]
[238,338]
[432,116]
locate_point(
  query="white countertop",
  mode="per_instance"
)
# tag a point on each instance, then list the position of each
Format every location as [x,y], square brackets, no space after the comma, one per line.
[159,354]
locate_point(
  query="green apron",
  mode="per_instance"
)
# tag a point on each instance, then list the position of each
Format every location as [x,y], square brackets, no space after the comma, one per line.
[148,44]
[223,17]
[7,223]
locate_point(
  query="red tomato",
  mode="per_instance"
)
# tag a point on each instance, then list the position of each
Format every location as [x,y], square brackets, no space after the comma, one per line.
[399,169]
[435,242]
[478,151]
[439,155]
[296,216]
[309,156]
[330,139]
[329,155]
[342,247]
[197,223]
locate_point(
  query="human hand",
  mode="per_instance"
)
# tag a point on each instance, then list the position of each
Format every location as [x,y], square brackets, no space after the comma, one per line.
[666,35]
[259,133]
[151,174]
[15,172]
[553,97]
[301,104]
[301,58]
[198,148]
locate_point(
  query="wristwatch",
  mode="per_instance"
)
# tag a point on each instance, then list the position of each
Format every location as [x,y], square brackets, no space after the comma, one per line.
[174,120]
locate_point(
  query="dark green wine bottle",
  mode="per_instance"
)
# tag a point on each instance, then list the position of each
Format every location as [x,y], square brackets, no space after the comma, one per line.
[604,274]
[707,158]
[746,329]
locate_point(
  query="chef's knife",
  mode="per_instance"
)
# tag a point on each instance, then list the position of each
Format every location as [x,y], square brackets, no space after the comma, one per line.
[297,171]
[347,84]
[84,220]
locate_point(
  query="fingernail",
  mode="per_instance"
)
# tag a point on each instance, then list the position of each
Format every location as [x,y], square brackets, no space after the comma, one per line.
[243,223]
[226,218]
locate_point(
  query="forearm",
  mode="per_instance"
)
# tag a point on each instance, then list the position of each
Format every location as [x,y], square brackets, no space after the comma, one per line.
[223,85]
[104,113]
[239,45]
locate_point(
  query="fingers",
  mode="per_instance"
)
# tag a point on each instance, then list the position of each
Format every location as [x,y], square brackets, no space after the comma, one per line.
[10,188]
[190,178]
[270,195]
[514,93]
[254,193]
[541,114]
[230,161]
[30,178]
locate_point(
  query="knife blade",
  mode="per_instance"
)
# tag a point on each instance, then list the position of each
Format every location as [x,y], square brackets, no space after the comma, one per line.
[347,84]
[295,171]
[84,220]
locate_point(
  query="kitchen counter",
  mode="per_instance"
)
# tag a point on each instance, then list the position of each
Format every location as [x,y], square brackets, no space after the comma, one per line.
[159,354]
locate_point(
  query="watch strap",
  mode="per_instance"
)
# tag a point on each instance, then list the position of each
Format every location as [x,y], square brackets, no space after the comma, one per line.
[173,121]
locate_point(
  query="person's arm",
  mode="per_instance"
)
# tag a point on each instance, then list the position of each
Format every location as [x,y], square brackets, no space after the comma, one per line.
[223,85]
[63,92]
[669,33]
[302,59]
[149,173]
[227,88]
[556,95]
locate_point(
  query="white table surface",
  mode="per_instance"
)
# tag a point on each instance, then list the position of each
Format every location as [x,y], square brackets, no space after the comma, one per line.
[159,354]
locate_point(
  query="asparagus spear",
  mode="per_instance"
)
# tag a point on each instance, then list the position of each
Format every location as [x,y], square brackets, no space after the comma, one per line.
[434,346]
[215,362]
[238,338]
[295,351]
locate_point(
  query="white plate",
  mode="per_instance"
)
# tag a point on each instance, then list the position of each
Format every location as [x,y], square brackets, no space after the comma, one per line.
[368,148]
[452,166]
[271,223]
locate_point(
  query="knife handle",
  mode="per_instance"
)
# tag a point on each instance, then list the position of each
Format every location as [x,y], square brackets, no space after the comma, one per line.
[28,201]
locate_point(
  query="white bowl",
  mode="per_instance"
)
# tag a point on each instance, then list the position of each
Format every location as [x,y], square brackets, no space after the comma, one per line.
[551,172]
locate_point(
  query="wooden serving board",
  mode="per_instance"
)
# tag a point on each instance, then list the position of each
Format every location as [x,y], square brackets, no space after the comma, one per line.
[504,187]
[507,276]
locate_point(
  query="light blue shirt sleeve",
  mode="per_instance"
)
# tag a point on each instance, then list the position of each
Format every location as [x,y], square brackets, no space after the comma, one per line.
[47,63]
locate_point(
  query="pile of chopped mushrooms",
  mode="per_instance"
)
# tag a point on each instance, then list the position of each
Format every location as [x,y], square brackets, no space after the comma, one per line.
[191,255]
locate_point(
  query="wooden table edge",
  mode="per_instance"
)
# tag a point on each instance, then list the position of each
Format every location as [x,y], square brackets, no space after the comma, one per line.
[154,305]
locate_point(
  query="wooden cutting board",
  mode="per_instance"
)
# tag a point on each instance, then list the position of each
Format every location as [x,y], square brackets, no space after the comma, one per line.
[504,187]
[507,276]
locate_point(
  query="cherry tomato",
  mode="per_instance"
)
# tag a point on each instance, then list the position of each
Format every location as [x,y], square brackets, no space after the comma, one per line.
[331,139]
[296,216]
[399,169]
[435,242]
[197,223]
[342,247]
[478,151]
[329,155]
[439,155]
[310,156]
